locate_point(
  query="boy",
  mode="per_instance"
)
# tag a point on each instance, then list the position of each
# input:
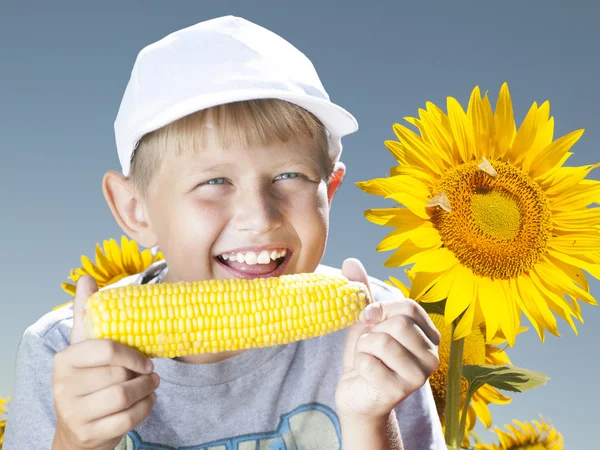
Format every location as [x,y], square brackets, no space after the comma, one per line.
[229,148]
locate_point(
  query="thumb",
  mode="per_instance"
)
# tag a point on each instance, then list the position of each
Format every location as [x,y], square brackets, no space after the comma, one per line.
[86,286]
[353,269]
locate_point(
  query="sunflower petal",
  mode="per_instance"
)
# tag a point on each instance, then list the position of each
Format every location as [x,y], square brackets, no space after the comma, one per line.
[116,255]
[422,282]
[439,291]
[429,179]
[460,295]
[525,136]
[390,185]
[436,136]
[397,150]
[102,261]
[417,149]
[585,193]
[436,260]
[575,244]
[424,237]
[460,129]
[534,312]
[479,125]
[589,217]
[579,261]
[504,120]
[483,413]
[564,179]
[465,325]
[490,394]
[535,302]
[561,283]
[413,202]
[408,253]
[485,295]
[400,218]
[97,272]
[400,285]
[552,155]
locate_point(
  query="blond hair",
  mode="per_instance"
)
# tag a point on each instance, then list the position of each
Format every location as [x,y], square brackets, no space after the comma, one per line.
[249,123]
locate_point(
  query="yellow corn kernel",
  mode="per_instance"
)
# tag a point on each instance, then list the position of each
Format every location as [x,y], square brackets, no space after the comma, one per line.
[177,319]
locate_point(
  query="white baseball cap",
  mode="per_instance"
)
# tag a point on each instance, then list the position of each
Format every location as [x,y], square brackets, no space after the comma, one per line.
[221,60]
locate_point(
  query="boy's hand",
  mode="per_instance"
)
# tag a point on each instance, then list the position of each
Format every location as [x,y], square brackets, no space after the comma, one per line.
[99,392]
[386,358]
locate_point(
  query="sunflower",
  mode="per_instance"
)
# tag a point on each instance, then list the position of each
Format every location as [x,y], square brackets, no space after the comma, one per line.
[3,404]
[527,437]
[114,264]
[492,220]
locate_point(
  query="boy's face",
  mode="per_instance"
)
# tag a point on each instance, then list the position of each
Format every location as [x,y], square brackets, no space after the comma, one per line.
[231,213]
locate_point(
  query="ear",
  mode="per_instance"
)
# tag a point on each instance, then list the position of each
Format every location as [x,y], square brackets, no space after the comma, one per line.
[128,208]
[335,181]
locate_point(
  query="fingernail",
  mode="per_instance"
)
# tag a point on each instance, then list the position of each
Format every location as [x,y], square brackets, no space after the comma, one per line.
[366,314]
[150,366]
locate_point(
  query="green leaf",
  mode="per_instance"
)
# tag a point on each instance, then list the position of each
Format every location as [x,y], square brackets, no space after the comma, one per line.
[507,378]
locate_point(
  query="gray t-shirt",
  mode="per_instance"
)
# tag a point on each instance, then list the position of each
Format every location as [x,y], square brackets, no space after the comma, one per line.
[273,398]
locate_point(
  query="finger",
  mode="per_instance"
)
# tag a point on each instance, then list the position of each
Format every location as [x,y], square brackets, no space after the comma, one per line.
[382,380]
[86,286]
[118,397]
[103,352]
[124,421]
[353,269]
[391,353]
[411,337]
[86,381]
[380,311]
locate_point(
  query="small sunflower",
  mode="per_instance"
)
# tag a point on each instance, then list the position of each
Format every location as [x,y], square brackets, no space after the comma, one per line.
[492,220]
[475,352]
[113,264]
[542,436]
[3,403]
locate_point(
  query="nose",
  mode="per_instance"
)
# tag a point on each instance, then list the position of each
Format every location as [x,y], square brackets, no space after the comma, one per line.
[257,212]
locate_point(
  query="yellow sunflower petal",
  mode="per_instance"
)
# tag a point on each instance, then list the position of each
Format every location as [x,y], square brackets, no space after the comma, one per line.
[439,291]
[561,283]
[428,178]
[578,260]
[564,178]
[97,272]
[525,136]
[126,254]
[422,282]
[578,197]
[460,295]
[466,323]
[408,253]
[136,257]
[504,120]
[102,261]
[435,260]
[397,151]
[536,305]
[479,126]
[400,285]
[400,218]
[575,243]
[486,294]
[392,185]
[426,236]
[430,122]
[553,154]
[461,129]
[115,254]
[483,412]
[417,151]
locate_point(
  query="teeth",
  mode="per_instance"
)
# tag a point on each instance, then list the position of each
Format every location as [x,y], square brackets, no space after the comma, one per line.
[252,258]
[263,257]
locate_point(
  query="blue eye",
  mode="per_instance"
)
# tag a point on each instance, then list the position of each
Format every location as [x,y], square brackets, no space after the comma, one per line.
[216,181]
[288,175]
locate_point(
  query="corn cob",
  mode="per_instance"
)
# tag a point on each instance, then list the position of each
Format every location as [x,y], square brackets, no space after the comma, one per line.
[178,319]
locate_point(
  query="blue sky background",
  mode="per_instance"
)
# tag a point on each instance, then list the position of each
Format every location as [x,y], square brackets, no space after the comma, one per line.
[64,66]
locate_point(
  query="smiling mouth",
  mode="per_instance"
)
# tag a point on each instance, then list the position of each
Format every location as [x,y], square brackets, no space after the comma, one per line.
[248,265]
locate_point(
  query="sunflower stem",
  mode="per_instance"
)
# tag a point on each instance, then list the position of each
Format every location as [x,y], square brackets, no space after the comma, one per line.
[452,409]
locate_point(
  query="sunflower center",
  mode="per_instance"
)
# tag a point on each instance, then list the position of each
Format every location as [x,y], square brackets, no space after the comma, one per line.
[496,213]
[498,226]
